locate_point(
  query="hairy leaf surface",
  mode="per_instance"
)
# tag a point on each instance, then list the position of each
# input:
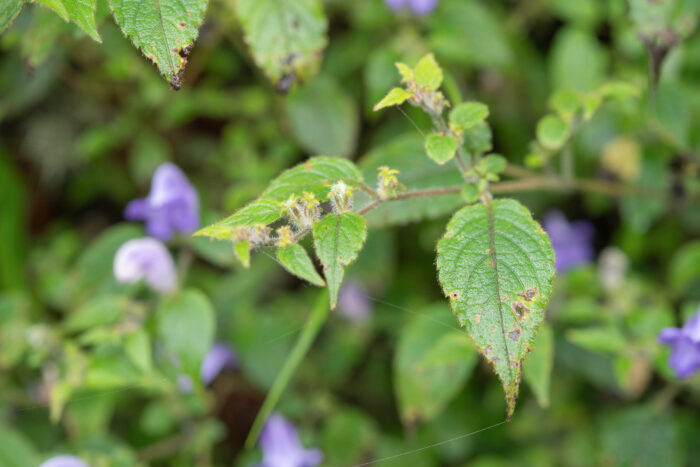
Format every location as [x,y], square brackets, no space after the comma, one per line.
[496,264]
[338,239]
[164,30]
[296,260]
[257,212]
[285,37]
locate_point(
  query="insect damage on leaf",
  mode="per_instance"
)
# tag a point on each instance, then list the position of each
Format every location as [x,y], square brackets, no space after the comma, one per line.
[496,266]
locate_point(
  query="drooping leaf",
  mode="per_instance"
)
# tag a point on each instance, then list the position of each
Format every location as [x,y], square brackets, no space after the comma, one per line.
[396,96]
[431,364]
[260,211]
[285,37]
[81,12]
[537,368]
[241,250]
[338,239]
[417,172]
[315,175]
[496,264]
[468,114]
[427,73]
[296,260]
[9,9]
[186,325]
[164,30]
[552,132]
[440,148]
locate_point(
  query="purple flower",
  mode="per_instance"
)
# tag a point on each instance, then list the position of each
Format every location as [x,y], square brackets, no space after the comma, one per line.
[353,303]
[685,344]
[147,259]
[220,357]
[171,206]
[572,242]
[419,7]
[64,461]
[281,447]
[185,384]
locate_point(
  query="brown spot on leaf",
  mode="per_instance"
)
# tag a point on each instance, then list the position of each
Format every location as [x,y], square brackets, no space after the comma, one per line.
[514,335]
[520,310]
[454,295]
[477,318]
[181,25]
[529,294]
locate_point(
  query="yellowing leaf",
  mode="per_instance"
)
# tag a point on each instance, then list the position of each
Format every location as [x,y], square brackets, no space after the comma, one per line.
[428,73]
[396,96]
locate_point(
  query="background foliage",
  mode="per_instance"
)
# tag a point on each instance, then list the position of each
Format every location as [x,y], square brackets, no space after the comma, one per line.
[84,125]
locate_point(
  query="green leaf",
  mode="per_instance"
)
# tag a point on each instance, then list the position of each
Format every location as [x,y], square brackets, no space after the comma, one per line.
[82,13]
[102,310]
[493,164]
[477,139]
[186,325]
[285,37]
[496,265]
[468,114]
[315,175]
[57,6]
[164,30]
[405,71]
[428,74]
[137,346]
[323,118]
[619,90]
[440,148]
[338,238]
[431,364]
[417,172]
[9,9]
[470,192]
[241,250]
[396,96]
[537,369]
[552,132]
[15,449]
[602,339]
[577,60]
[684,270]
[296,260]
[260,211]
[566,103]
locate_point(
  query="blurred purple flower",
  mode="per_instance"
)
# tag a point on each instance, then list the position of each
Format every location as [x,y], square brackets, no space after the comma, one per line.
[419,7]
[353,303]
[185,384]
[220,357]
[171,206]
[281,447]
[147,259]
[685,345]
[572,242]
[64,461]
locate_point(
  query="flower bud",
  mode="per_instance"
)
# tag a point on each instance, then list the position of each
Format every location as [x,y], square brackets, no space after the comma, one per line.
[284,236]
[341,197]
[387,184]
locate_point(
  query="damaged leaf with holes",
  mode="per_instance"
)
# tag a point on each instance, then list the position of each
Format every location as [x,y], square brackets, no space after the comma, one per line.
[495,265]
[286,38]
[163,30]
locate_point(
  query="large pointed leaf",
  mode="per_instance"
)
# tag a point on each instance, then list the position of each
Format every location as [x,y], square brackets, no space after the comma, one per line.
[315,175]
[496,265]
[296,260]
[164,30]
[338,239]
[257,212]
[285,37]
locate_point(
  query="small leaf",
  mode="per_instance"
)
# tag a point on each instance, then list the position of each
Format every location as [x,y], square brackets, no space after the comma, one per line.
[241,250]
[285,37]
[428,74]
[9,9]
[296,260]
[396,96]
[164,30]
[493,164]
[440,148]
[405,71]
[257,212]
[315,175]
[537,368]
[468,114]
[496,265]
[477,139]
[566,103]
[470,192]
[186,324]
[338,238]
[82,13]
[552,132]
[591,103]
[431,364]
[618,90]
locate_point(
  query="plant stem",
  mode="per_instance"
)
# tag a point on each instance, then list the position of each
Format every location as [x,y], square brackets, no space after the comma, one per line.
[319,313]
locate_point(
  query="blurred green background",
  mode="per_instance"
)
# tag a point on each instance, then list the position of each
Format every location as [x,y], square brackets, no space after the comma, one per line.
[84,125]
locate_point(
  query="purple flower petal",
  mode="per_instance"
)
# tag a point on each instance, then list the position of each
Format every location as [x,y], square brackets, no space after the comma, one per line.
[423,7]
[185,384]
[146,259]
[64,461]
[685,346]
[220,357]
[572,242]
[669,336]
[396,4]
[691,329]
[353,303]
[171,206]
[281,447]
